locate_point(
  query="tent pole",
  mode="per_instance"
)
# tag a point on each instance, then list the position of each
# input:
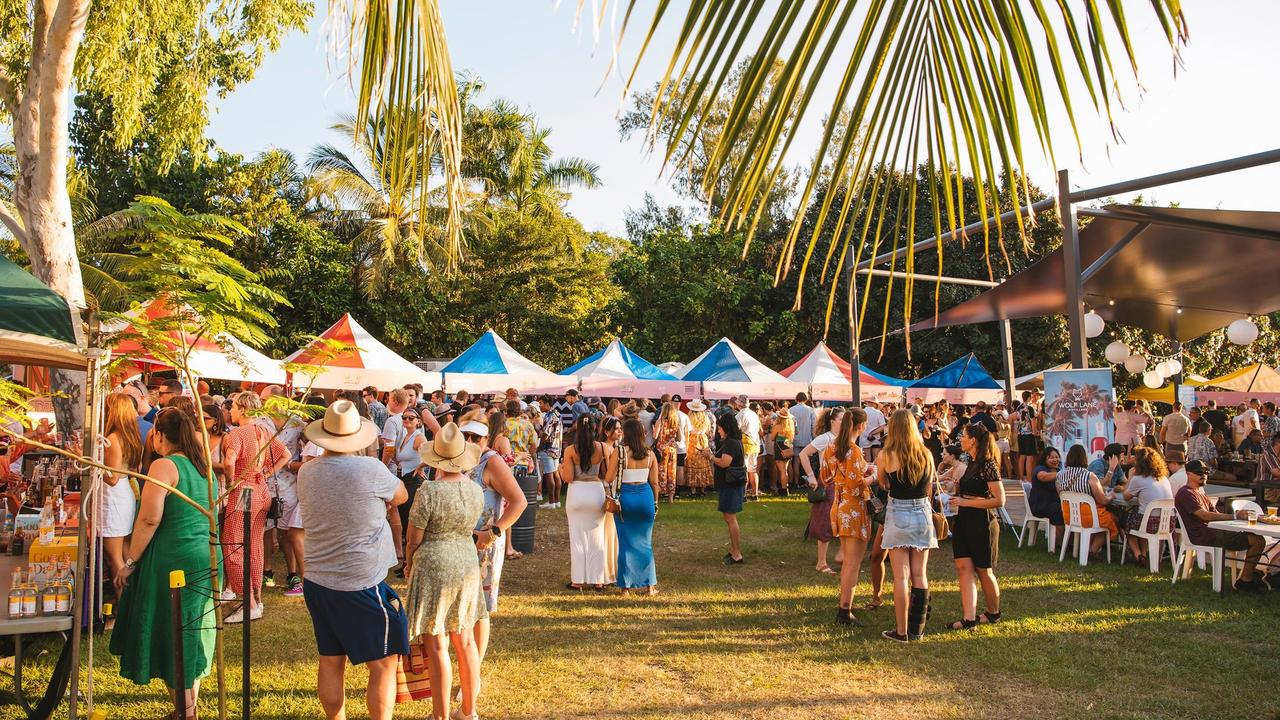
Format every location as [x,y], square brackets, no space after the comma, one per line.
[1071,272]
[855,364]
[1006,354]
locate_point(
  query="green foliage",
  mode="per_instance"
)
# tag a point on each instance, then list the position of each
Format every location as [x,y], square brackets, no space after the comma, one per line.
[151,66]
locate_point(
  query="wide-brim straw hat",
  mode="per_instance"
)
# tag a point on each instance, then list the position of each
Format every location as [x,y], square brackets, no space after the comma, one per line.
[697,406]
[342,430]
[449,451]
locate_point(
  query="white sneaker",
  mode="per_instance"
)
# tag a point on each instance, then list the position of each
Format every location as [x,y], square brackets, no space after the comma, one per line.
[557,506]
[235,618]
[546,506]
[256,612]
[227,595]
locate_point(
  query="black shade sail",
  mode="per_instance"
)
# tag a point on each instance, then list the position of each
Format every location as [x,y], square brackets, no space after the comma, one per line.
[1141,264]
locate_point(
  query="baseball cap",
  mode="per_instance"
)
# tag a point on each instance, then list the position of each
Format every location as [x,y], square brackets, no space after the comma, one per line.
[1198,467]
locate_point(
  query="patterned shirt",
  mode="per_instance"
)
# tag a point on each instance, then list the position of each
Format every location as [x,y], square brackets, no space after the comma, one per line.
[552,433]
[1270,425]
[1200,447]
[524,440]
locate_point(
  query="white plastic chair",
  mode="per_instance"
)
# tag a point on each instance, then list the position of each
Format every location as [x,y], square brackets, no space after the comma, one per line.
[1031,523]
[1155,540]
[1074,520]
[1187,552]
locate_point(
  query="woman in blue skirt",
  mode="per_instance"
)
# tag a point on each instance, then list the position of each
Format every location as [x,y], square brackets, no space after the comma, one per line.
[638,495]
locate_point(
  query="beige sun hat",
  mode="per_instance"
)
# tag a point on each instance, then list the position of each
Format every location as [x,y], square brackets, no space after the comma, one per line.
[697,405]
[450,452]
[342,430]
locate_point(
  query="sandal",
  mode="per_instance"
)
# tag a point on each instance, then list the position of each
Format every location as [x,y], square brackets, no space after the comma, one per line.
[826,570]
[571,586]
[989,617]
[963,624]
[514,554]
[872,604]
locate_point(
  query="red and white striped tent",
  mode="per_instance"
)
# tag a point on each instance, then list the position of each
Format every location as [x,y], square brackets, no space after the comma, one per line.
[828,377]
[222,357]
[365,362]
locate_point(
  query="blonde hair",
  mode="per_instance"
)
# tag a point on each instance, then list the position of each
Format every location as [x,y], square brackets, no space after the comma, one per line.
[786,427]
[247,401]
[904,441]
[122,421]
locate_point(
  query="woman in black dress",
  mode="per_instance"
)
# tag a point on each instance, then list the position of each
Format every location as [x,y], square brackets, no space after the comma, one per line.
[728,462]
[976,538]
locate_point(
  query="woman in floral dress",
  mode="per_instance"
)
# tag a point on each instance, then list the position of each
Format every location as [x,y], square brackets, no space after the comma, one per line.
[697,471]
[666,435]
[844,470]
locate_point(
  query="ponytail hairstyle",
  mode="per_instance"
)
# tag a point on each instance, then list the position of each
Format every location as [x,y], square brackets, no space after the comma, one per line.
[850,428]
[179,430]
[826,419]
[585,439]
[986,447]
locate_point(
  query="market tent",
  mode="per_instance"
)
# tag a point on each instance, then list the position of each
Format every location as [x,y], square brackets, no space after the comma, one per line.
[363,362]
[616,360]
[828,377]
[615,371]
[726,370]
[1165,394]
[963,380]
[1035,380]
[221,357]
[1257,377]
[490,365]
[37,325]
[1179,272]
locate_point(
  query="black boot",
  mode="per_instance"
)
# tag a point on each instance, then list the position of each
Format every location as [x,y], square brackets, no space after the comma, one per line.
[917,613]
[844,616]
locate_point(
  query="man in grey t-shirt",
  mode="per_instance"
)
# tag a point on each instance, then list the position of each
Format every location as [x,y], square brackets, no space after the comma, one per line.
[803,416]
[355,614]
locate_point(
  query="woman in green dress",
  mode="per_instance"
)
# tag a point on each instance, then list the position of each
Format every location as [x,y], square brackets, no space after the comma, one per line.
[168,535]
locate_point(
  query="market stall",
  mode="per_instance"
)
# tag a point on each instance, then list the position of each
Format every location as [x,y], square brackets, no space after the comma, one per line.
[359,361]
[726,370]
[964,380]
[41,533]
[490,365]
[616,371]
[828,377]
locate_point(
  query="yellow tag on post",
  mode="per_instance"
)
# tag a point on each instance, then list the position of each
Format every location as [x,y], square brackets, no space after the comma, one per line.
[177,579]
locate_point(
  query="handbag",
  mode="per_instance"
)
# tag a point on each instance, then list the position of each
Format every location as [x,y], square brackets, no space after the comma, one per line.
[276,509]
[413,675]
[817,494]
[612,504]
[940,526]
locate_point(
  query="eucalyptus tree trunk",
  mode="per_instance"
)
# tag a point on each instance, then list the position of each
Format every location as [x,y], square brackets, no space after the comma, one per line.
[40,219]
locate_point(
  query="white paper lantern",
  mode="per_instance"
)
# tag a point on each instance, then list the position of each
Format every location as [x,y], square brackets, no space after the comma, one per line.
[1175,367]
[1135,364]
[1242,331]
[1162,369]
[1117,352]
[1152,379]
[1093,324]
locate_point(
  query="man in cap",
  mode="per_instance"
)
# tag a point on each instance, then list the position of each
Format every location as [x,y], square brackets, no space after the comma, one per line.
[356,616]
[1197,510]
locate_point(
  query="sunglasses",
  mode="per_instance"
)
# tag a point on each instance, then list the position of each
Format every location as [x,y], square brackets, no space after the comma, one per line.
[471,437]
[411,417]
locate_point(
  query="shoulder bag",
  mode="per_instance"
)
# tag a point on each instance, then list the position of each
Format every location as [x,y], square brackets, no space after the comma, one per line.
[940,526]
[612,504]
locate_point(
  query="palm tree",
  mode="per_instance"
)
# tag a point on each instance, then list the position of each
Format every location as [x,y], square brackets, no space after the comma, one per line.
[962,88]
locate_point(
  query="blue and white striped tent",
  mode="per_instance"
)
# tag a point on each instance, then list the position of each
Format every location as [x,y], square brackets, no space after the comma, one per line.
[491,365]
[726,362]
[617,361]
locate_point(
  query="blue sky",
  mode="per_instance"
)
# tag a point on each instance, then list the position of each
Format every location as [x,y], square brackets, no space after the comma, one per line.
[1221,104]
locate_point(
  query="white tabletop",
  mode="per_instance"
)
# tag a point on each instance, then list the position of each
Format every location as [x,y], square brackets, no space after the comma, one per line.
[1263,529]
[1227,491]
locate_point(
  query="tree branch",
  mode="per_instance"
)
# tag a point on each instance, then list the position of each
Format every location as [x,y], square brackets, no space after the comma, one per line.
[14,224]
[9,93]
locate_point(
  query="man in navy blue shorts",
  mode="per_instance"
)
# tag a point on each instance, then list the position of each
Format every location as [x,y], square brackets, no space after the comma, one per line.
[356,616]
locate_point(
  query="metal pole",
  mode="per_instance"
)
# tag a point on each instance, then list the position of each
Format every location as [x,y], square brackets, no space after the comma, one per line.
[1177,378]
[1006,353]
[246,497]
[178,580]
[924,277]
[1071,273]
[855,364]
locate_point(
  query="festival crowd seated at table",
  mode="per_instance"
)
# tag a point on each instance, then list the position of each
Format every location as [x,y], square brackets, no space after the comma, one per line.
[1197,510]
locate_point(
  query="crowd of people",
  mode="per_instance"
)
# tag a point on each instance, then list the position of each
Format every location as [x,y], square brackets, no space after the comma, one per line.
[424,488]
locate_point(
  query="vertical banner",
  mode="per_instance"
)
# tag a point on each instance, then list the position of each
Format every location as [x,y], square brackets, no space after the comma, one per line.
[1078,409]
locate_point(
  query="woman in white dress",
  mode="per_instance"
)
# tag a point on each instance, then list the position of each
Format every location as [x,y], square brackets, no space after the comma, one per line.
[582,471]
[119,494]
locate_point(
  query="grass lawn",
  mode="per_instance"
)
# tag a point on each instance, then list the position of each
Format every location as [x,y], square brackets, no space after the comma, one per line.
[758,641]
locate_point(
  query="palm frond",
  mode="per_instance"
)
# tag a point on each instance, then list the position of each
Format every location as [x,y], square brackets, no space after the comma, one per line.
[960,88]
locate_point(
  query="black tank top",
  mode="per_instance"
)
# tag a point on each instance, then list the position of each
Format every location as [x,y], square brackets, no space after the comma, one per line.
[901,489]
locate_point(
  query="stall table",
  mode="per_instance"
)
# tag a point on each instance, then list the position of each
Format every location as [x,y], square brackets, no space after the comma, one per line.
[22,627]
